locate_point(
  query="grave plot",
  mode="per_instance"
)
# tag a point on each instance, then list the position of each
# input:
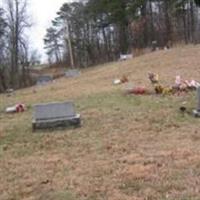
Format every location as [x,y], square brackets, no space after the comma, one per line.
[72,73]
[43,80]
[55,115]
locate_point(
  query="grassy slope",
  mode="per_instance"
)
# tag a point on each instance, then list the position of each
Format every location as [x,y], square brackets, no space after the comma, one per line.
[129,147]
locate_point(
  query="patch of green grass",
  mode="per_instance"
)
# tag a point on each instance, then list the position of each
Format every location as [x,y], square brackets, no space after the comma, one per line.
[59,195]
[159,190]
[130,187]
[158,111]
[109,101]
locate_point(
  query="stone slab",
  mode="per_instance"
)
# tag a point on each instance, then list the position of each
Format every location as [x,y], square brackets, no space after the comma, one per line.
[125,57]
[72,73]
[42,80]
[55,115]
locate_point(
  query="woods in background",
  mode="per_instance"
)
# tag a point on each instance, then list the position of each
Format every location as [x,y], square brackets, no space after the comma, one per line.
[96,31]
[15,55]
[91,32]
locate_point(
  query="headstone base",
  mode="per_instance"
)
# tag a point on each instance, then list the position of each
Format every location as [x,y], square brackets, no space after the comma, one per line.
[54,123]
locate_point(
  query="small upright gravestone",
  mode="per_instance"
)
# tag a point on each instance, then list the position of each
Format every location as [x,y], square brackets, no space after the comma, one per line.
[72,73]
[10,92]
[124,57]
[55,115]
[196,112]
[43,80]
[154,45]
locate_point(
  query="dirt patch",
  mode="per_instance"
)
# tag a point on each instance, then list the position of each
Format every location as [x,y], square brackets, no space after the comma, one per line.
[137,171]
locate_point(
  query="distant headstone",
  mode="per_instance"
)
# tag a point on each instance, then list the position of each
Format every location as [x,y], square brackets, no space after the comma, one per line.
[166,48]
[72,73]
[10,92]
[54,115]
[196,112]
[43,80]
[154,45]
[125,57]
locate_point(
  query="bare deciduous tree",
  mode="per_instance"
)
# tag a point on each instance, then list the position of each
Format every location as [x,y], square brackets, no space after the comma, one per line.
[17,21]
[3,60]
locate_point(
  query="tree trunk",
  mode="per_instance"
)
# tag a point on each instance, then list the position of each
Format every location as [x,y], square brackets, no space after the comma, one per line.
[192,22]
[123,38]
[168,34]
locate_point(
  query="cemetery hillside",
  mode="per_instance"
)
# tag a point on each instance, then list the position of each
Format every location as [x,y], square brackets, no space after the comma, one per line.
[138,145]
[100,100]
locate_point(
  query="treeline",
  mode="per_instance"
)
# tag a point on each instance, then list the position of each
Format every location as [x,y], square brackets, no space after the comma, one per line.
[86,33]
[15,54]
[90,32]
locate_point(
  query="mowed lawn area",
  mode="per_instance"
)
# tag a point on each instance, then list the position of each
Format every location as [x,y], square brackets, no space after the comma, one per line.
[128,148]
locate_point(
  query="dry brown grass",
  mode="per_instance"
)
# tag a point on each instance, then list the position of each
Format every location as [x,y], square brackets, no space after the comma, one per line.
[128,148]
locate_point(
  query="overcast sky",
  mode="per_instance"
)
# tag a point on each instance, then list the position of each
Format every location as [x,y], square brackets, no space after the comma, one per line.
[42,12]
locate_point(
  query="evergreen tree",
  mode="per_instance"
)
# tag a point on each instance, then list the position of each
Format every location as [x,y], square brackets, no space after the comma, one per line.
[52,44]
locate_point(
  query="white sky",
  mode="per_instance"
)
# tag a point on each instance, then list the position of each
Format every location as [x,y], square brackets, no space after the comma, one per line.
[42,12]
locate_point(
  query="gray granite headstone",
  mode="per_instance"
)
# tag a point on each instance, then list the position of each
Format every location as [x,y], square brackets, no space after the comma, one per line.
[72,73]
[198,97]
[55,115]
[196,112]
[124,57]
[42,80]
[154,45]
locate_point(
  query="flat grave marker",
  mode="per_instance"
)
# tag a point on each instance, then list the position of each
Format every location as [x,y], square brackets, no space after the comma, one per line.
[72,73]
[43,80]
